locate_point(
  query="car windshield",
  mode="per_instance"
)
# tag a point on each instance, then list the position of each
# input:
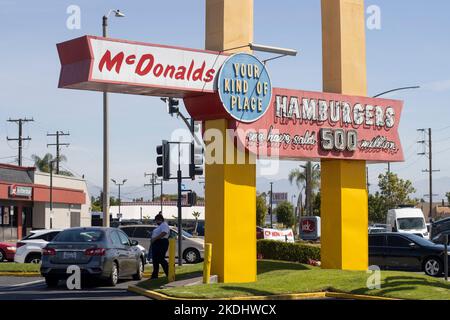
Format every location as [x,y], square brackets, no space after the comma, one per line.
[411,223]
[79,235]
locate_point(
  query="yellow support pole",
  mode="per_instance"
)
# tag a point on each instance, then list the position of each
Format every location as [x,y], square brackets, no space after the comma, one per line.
[172,244]
[344,206]
[230,188]
[207,263]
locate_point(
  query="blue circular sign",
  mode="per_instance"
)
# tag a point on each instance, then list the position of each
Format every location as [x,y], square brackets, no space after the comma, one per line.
[244,87]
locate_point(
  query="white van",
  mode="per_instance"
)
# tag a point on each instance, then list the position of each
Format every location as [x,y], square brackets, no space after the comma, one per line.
[407,220]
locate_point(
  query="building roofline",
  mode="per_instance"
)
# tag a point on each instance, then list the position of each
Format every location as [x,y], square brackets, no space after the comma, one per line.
[16,167]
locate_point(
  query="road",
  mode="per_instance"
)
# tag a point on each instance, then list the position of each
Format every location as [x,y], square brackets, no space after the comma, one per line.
[29,288]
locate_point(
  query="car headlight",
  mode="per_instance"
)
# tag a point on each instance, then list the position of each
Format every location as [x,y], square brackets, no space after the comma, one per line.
[11,248]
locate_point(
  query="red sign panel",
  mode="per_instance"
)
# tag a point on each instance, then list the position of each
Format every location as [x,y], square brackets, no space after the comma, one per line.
[103,64]
[315,125]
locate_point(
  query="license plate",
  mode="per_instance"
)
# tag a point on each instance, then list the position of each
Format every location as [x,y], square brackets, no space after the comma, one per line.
[69,255]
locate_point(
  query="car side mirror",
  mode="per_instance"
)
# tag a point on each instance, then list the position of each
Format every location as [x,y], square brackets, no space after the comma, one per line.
[134,243]
[412,245]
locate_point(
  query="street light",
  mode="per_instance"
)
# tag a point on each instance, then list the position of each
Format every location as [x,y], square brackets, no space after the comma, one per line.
[397,89]
[118,14]
[51,193]
[119,185]
[270,49]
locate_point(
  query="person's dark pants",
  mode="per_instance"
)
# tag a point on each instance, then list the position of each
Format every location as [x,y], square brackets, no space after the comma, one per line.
[159,249]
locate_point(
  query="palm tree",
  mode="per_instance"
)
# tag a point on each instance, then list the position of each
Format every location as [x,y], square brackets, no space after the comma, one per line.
[43,164]
[196,215]
[300,177]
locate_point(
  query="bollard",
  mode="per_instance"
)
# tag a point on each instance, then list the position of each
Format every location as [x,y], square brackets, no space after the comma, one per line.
[172,244]
[446,257]
[207,263]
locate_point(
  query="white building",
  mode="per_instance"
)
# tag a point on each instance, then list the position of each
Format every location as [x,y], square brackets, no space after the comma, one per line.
[142,210]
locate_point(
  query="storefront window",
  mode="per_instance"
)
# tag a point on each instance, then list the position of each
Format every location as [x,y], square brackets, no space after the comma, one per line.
[5,211]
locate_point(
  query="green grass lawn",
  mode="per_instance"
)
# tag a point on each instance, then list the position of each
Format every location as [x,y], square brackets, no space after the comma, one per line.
[18,267]
[276,277]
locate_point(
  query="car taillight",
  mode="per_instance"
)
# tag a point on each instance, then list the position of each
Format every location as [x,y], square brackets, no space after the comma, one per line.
[48,252]
[20,244]
[95,252]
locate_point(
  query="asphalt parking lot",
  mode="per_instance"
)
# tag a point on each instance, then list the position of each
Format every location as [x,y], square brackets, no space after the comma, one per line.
[34,288]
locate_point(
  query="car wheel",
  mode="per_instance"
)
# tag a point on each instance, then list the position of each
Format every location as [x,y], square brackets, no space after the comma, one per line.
[34,258]
[140,271]
[191,256]
[51,282]
[114,276]
[433,267]
[2,256]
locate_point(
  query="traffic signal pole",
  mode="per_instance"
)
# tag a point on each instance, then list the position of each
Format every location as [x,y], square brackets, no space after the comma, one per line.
[180,221]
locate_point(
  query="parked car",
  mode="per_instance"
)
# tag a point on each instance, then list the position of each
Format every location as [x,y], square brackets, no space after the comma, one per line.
[29,249]
[408,252]
[7,251]
[440,226]
[440,238]
[105,253]
[373,229]
[407,220]
[193,248]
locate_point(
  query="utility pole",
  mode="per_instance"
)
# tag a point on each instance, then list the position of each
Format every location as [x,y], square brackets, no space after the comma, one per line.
[151,184]
[20,139]
[58,144]
[430,163]
[180,227]
[271,205]
[367,180]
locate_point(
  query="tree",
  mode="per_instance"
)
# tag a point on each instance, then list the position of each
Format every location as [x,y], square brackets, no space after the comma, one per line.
[310,172]
[261,210]
[196,215]
[316,204]
[393,192]
[285,214]
[448,197]
[43,164]
[377,208]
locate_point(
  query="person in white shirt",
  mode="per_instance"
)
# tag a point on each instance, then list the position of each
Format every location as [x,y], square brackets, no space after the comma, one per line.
[160,244]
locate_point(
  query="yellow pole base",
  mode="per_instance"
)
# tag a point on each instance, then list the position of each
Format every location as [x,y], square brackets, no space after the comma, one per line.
[344,212]
[171,276]
[207,263]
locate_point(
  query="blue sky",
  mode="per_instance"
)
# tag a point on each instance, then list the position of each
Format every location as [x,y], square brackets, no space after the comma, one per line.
[410,49]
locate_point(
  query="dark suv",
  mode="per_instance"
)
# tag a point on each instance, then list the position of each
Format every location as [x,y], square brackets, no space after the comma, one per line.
[402,251]
[439,227]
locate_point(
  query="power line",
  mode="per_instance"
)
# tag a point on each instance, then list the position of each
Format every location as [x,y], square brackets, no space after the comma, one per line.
[443,129]
[20,138]
[58,145]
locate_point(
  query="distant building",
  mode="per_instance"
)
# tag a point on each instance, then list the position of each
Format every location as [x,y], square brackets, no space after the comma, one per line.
[25,201]
[140,210]
[439,210]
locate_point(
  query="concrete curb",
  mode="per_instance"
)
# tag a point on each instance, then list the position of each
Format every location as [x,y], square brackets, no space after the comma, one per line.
[20,274]
[294,296]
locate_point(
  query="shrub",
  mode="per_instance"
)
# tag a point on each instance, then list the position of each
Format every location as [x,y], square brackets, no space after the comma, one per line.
[284,251]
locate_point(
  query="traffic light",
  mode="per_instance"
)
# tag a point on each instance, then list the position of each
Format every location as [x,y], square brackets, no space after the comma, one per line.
[196,161]
[163,160]
[192,198]
[172,105]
